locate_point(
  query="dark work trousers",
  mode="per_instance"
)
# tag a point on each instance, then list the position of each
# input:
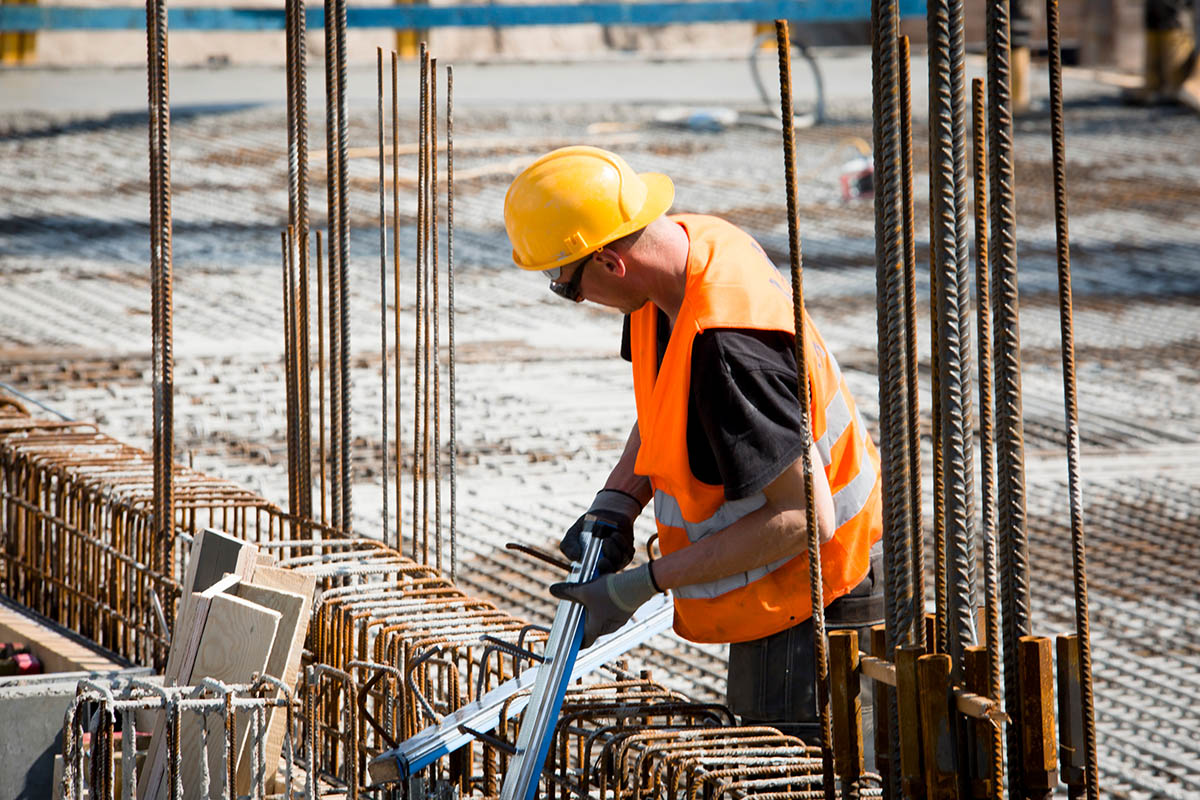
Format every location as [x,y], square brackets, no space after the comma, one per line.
[772,681]
[1166,15]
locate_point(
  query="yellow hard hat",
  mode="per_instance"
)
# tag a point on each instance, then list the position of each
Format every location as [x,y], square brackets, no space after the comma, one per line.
[574,200]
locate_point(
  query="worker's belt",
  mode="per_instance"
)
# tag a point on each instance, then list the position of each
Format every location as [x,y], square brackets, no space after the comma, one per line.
[863,606]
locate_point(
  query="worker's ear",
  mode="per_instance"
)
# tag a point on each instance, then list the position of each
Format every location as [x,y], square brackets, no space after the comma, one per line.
[611,260]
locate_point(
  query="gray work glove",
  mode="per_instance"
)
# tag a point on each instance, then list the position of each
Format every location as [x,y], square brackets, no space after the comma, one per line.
[619,510]
[609,600]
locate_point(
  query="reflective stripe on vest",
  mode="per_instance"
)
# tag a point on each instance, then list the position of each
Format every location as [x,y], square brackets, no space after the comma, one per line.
[667,512]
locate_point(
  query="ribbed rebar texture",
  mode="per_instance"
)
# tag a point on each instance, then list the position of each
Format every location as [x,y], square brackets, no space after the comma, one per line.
[383,338]
[289,368]
[953,362]
[297,98]
[1071,401]
[1010,433]
[347,470]
[332,195]
[322,456]
[820,654]
[450,317]
[161,277]
[913,425]
[987,488]
[435,332]
[901,615]
[418,476]
[396,288]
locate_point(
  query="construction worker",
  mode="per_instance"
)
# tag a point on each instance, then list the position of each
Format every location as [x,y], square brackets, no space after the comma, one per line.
[717,444]
[1171,72]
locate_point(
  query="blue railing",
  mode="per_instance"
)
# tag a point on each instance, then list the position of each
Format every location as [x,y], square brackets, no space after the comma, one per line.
[60,18]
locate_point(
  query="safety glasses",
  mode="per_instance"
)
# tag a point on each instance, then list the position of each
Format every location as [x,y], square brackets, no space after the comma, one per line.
[570,290]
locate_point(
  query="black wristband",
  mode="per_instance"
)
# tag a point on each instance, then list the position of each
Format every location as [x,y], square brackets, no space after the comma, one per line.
[650,572]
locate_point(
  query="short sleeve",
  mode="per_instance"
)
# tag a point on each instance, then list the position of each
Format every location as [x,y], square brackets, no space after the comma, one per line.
[745,398]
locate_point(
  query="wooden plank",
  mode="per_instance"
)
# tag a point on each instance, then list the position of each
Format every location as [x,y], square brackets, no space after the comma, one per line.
[846,706]
[212,556]
[237,641]
[291,594]
[933,678]
[185,645]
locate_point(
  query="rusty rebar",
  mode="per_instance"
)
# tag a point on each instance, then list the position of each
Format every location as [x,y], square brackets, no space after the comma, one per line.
[1071,402]
[429,346]
[945,114]
[450,317]
[297,96]
[987,482]
[396,289]
[820,656]
[161,279]
[333,199]
[1010,434]
[417,476]
[322,456]
[901,615]
[347,466]
[383,337]
[289,372]
[436,280]
[913,423]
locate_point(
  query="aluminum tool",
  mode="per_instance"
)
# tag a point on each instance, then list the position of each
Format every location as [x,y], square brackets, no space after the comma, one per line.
[483,715]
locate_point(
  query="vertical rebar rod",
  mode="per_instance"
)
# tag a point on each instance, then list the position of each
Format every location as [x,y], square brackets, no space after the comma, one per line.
[900,613]
[987,487]
[430,148]
[820,656]
[334,224]
[293,188]
[910,325]
[418,304]
[396,286]
[945,117]
[347,470]
[289,371]
[297,81]
[383,337]
[161,278]
[1010,434]
[450,316]
[436,361]
[1071,402]
[321,380]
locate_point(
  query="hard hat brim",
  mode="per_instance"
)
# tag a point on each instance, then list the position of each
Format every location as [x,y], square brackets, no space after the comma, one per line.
[660,194]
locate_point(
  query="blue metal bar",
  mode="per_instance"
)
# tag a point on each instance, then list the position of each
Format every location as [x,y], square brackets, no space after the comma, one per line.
[49,18]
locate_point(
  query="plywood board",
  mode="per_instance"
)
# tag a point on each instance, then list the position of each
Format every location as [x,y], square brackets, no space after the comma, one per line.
[189,628]
[237,642]
[295,608]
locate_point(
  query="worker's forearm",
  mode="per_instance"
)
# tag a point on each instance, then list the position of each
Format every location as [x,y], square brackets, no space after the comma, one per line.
[758,538]
[623,478]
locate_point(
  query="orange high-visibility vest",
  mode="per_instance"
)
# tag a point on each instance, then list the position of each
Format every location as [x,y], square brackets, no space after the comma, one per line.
[732,284]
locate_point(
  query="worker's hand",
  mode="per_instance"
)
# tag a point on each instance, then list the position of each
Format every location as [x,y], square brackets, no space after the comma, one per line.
[619,510]
[609,601]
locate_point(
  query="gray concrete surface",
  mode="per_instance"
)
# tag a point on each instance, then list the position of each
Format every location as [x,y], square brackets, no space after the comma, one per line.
[543,403]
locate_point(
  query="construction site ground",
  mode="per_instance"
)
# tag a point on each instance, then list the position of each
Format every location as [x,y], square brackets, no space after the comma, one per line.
[543,400]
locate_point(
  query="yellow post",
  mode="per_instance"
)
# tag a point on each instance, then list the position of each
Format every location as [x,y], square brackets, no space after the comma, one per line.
[408,39]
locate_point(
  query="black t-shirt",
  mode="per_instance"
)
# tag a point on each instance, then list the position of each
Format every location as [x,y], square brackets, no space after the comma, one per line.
[743,405]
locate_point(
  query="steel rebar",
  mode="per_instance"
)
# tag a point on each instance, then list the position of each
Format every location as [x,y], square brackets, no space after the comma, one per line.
[820,656]
[987,482]
[913,423]
[333,199]
[347,468]
[417,476]
[161,279]
[396,289]
[1010,434]
[945,114]
[383,348]
[436,361]
[901,615]
[450,317]
[1071,402]
[322,456]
